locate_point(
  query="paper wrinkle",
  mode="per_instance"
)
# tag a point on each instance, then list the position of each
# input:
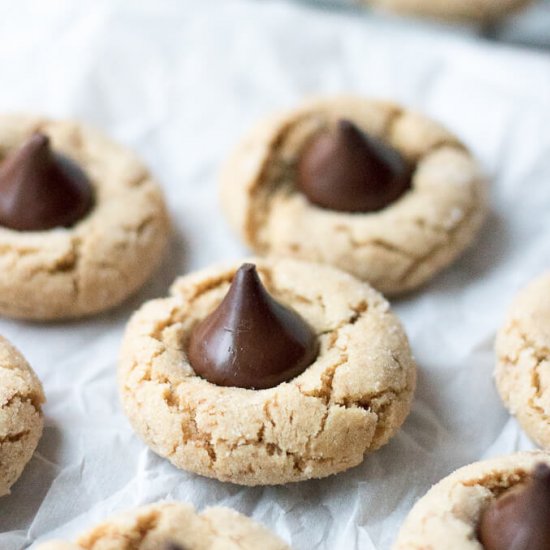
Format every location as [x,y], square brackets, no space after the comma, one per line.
[180,82]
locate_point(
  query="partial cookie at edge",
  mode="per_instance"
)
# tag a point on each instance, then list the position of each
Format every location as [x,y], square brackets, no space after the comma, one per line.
[522,372]
[151,527]
[448,515]
[459,10]
[21,420]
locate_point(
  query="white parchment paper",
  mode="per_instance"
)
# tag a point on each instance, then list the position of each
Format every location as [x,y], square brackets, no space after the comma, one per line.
[179,82]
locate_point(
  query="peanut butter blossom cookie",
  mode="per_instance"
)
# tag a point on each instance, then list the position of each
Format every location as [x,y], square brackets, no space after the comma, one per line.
[465,10]
[369,187]
[266,373]
[522,372]
[498,504]
[21,419]
[174,526]
[82,224]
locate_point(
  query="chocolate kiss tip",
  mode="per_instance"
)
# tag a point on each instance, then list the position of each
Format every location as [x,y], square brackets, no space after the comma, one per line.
[542,472]
[38,140]
[40,189]
[344,125]
[519,518]
[350,171]
[32,154]
[250,340]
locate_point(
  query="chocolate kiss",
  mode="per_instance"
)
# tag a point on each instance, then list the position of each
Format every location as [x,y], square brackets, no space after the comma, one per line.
[519,519]
[251,340]
[40,189]
[350,171]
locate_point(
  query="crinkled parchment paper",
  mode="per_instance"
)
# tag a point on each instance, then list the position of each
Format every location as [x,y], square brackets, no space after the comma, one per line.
[180,81]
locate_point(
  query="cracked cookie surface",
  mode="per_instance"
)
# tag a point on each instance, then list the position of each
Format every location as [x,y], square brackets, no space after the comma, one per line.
[473,10]
[106,256]
[395,249]
[349,402]
[157,526]
[21,420]
[522,372]
[448,515]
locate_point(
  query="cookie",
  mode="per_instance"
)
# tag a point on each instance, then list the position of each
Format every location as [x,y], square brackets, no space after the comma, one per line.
[473,10]
[82,223]
[21,419]
[522,372]
[348,402]
[413,227]
[449,515]
[174,526]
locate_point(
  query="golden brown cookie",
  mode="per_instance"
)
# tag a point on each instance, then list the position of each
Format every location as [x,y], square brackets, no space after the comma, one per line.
[348,402]
[21,420]
[107,255]
[174,526]
[395,249]
[522,371]
[447,517]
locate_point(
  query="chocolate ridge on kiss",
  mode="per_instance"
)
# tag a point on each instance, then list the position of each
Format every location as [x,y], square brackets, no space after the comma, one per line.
[345,169]
[251,340]
[41,189]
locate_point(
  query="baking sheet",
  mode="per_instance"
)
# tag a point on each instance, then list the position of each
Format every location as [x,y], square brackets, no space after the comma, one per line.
[180,81]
